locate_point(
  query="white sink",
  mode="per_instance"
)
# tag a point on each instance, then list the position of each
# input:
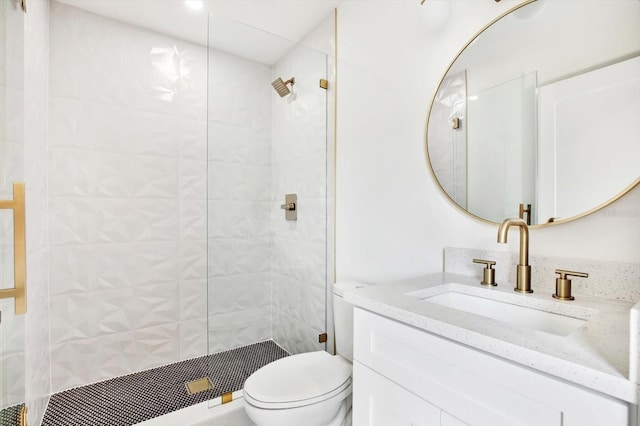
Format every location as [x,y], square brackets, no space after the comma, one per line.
[508,309]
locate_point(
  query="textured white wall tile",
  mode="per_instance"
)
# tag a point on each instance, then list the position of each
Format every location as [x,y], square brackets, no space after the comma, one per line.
[299,157]
[36,217]
[12,164]
[233,181]
[295,336]
[35,124]
[229,219]
[93,126]
[225,181]
[13,328]
[192,135]
[127,182]
[107,266]
[239,328]
[112,220]
[14,100]
[83,173]
[238,94]
[302,260]
[193,179]
[257,183]
[85,315]
[239,292]
[157,345]
[229,143]
[193,338]
[238,256]
[193,260]
[14,373]
[193,219]
[79,362]
[193,300]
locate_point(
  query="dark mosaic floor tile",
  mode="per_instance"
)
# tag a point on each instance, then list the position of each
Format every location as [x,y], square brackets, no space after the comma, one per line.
[127,400]
[10,416]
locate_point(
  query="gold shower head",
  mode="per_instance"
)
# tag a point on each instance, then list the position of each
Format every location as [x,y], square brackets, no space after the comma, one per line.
[281,86]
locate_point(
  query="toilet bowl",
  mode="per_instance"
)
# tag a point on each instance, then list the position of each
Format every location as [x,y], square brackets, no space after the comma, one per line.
[310,389]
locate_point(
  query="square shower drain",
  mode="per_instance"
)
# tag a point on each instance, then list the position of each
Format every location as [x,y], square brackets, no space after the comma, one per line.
[199,385]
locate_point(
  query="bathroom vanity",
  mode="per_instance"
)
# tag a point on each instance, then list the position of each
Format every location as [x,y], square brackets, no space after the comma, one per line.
[443,350]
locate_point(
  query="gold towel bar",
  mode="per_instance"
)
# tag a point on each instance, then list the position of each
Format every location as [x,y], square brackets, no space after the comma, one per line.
[19,291]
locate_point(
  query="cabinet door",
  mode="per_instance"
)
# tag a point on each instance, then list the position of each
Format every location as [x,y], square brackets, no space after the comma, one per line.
[378,401]
[475,387]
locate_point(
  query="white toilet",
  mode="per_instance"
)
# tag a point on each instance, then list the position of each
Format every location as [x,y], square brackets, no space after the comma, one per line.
[310,389]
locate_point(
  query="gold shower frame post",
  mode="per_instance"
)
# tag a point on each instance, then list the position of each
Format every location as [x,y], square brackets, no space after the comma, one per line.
[19,291]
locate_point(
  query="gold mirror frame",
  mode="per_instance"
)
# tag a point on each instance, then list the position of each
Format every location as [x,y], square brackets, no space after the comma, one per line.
[430,166]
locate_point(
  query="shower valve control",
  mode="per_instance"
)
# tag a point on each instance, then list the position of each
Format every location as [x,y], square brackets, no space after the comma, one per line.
[290,206]
[489,274]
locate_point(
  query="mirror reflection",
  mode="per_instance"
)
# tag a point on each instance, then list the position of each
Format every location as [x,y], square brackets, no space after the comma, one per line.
[538,116]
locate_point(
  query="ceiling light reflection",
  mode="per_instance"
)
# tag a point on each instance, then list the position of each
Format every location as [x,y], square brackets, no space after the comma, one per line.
[194,4]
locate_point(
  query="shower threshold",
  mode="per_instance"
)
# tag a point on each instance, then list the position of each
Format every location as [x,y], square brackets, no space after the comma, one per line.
[138,397]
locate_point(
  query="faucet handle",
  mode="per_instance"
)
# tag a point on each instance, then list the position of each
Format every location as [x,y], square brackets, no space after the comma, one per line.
[563,284]
[489,274]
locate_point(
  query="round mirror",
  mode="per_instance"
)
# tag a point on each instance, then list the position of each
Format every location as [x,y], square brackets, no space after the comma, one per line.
[539,116]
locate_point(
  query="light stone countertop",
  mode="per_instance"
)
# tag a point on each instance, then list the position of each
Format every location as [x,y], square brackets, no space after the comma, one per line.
[596,356]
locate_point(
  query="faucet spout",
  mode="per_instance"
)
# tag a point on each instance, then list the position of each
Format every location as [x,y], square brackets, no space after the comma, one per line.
[523,277]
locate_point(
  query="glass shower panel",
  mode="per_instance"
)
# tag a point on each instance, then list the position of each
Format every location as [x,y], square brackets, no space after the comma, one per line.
[501,149]
[12,326]
[266,275]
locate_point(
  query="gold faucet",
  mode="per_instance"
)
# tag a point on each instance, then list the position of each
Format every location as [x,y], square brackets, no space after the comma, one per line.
[523,273]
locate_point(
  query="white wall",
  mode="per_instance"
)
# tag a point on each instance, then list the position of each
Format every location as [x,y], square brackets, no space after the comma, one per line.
[392,222]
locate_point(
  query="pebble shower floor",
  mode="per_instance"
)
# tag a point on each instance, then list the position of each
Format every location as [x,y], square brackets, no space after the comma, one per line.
[131,399]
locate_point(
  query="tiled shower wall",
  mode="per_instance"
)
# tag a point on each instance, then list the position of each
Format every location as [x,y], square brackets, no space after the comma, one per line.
[239,155]
[24,42]
[128,200]
[12,328]
[127,183]
[299,157]
[36,125]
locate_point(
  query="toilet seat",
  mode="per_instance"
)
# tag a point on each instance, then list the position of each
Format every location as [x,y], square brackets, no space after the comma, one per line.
[298,380]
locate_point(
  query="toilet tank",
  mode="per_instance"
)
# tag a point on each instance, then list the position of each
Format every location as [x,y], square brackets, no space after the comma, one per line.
[343,318]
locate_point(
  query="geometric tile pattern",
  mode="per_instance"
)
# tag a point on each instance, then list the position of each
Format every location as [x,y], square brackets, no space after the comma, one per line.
[238,197]
[127,198]
[138,200]
[299,162]
[37,377]
[11,416]
[137,397]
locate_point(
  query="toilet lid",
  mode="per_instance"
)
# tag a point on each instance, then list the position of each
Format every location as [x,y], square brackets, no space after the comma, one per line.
[298,380]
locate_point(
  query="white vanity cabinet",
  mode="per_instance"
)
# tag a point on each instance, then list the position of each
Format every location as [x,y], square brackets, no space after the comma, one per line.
[406,376]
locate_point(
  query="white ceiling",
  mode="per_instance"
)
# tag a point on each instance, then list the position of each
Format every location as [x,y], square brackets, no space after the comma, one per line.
[243,27]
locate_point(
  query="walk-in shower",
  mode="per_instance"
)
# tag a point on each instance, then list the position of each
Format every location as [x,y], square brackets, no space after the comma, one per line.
[161,255]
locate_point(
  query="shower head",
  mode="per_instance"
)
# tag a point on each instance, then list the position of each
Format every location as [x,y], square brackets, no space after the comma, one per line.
[281,86]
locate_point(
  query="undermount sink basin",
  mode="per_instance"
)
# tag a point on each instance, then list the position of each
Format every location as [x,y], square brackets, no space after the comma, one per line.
[458,297]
